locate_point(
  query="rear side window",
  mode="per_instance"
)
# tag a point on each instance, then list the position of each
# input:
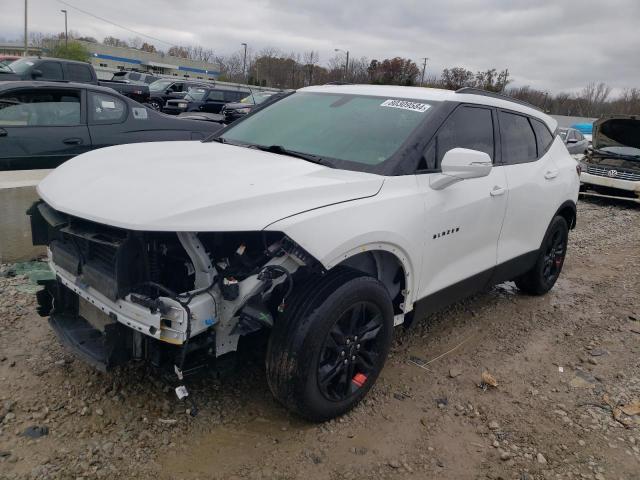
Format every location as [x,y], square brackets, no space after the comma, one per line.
[467,127]
[543,136]
[50,70]
[79,73]
[518,139]
[104,108]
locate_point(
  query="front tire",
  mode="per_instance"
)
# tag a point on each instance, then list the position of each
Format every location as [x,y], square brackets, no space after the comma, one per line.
[328,349]
[544,274]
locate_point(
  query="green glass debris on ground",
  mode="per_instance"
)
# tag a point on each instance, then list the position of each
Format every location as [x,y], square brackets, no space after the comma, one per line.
[35,271]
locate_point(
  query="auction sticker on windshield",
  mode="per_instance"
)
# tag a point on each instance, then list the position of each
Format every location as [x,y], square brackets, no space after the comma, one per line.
[406,105]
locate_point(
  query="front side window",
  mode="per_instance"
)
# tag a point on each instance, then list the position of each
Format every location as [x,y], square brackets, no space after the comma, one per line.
[50,70]
[354,132]
[468,127]
[79,73]
[196,94]
[216,95]
[38,108]
[518,139]
[105,108]
[160,85]
[134,76]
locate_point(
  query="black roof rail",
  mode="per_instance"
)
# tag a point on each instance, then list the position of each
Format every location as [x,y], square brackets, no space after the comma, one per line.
[502,96]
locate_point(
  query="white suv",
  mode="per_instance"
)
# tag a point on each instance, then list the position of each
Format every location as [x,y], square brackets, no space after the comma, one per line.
[323,221]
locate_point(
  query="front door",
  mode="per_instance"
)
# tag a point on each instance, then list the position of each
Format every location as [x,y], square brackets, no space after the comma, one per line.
[41,128]
[463,221]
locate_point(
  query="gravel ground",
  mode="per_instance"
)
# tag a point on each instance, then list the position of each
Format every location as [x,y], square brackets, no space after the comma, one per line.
[566,365]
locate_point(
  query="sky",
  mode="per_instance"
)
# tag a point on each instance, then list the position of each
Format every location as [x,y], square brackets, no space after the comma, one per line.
[554,45]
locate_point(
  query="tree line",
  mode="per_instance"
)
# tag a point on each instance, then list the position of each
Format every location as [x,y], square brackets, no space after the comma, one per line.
[272,67]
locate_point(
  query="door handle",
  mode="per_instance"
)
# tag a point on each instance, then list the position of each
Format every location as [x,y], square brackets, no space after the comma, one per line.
[549,174]
[3,132]
[72,141]
[498,190]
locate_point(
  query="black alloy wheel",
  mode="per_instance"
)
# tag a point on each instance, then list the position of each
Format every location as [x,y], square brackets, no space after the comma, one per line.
[350,351]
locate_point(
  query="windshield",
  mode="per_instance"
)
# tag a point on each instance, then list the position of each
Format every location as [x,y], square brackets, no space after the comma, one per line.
[352,128]
[195,94]
[160,85]
[21,65]
[4,67]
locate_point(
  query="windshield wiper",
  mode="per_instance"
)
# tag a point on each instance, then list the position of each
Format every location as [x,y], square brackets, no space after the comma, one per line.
[280,150]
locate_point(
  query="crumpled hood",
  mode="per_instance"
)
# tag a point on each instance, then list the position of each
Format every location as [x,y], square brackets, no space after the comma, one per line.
[193,186]
[617,131]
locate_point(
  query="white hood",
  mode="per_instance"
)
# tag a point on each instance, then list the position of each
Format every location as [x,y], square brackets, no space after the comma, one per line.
[193,186]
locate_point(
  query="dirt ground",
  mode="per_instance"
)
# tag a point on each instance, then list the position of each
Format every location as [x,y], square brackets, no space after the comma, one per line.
[554,358]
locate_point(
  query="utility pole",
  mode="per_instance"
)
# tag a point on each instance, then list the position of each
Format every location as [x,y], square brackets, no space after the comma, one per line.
[424,67]
[244,62]
[66,32]
[346,63]
[26,37]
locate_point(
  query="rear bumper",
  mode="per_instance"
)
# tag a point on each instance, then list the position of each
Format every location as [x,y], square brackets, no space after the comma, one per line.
[599,186]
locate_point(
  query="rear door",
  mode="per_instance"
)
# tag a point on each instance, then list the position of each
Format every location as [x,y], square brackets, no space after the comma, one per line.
[534,186]
[114,121]
[41,127]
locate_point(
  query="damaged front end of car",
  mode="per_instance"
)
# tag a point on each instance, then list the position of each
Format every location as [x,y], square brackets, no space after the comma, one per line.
[121,295]
[611,168]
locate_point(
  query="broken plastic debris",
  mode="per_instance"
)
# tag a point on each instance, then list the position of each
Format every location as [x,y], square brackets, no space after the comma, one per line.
[182,392]
[561,369]
[35,432]
[488,380]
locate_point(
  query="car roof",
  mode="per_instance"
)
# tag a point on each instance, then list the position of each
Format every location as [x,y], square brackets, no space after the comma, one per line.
[56,60]
[6,85]
[436,95]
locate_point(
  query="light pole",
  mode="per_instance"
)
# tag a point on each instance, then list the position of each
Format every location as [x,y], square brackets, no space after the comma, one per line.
[346,63]
[424,67]
[244,62]
[66,34]
[26,40]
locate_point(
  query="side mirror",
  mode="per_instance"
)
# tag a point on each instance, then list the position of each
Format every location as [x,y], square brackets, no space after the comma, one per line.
[35,73]
[461,164]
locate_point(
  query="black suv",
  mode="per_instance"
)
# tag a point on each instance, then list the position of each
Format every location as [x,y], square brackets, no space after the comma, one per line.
[206,99]
[166,89]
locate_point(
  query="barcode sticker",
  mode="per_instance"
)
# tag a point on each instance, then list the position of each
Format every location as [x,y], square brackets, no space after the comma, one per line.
[406,105]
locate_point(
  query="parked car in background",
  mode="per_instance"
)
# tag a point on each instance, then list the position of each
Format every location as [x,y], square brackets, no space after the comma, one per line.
[585,129]
[7,59]
[205,99]
[612,166]
[139,78]
[166,89]
[574,140]
[43,124]
[233,111]
[60,70]
[322,221]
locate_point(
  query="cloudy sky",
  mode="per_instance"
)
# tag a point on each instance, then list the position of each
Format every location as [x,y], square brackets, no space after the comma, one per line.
[559,45]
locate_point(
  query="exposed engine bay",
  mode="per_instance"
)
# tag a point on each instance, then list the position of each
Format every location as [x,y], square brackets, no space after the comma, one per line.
[122,294]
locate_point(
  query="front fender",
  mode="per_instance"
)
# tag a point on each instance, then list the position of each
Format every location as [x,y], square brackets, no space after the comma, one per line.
[392,221]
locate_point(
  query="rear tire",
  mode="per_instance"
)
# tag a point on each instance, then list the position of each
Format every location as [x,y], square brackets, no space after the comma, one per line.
[544,274]
[329,347]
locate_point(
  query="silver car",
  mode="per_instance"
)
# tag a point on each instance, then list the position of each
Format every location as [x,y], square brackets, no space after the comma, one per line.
[575,141]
